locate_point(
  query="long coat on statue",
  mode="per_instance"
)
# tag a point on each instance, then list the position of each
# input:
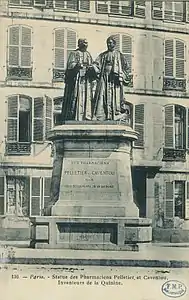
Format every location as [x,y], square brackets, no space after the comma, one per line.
[112,72]
[78,87]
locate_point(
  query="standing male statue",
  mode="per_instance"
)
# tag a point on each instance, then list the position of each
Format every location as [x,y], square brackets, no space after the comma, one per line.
[78,84]
[112,71]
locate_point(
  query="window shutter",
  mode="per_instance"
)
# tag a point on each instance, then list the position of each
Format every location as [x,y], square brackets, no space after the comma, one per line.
[84,5]
[71,41]
[169,126]
[35,196]
[48,115]
[139,124]
[169,58]
[140,8]
[157,9]
[38,119]
[127,50]
[102,7]
[13,57]
[180,48]
[47,188]
[179,11]
[114,7]
[2,200]
[118,41]
[12,121]
[187,201]
[187,11]
[71,4]
[39,2]
[25,46]
[20,2]
[168,10]
[59,36]
[126,7]
[169,201]
[59,4]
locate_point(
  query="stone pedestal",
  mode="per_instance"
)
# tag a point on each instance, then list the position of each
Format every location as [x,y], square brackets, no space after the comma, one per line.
[92,198]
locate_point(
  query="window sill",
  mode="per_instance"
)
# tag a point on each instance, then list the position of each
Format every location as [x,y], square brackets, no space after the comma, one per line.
[20,6]
[174,154]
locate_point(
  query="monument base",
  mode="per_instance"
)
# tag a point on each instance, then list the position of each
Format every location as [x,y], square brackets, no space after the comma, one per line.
[92,204]
[90,233]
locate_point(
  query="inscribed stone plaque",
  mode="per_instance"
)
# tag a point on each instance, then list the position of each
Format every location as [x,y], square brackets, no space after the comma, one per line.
[89,179]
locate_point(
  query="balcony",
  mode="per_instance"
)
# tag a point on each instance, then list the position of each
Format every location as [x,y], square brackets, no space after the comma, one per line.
[18,148]
[174,154]
[19,73]
[58,75]
[172,84]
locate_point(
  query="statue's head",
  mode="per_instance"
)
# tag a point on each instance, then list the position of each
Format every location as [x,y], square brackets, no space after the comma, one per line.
[111,43]
[82,44]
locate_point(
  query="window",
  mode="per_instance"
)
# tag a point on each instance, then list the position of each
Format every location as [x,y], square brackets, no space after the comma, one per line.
[139,124]
[72,5]
[65,41]
[40,195]
[124,7]
[19,53]
[174,68]
[28,121]
[168,10]
[175,134]
[20,2]
[24,196]
[177,199]
[40,2]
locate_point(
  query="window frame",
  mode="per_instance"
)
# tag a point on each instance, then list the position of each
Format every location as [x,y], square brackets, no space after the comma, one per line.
[163,10]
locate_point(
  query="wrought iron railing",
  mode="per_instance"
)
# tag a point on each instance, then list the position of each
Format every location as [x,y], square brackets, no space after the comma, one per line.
[174,154]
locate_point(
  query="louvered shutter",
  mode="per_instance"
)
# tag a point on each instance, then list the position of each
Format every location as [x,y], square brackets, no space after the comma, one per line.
[117,38]
[169,126]
[180,49]
[71,4]
[140,8]
[35,206]
[168,10]
[84,5]
[59,36]
[139,124]
[71,41]
[187,11]
[13,57]
[127,50]
[169,200]
[169,58]
[38,119]
[114,7]
[187,201]
[25,46]
[126,7]
[157,9]
[47,189]
[156,199]
[12,121]
[179,11]
[48,115]
[102,7]
[40,2]
[2,200]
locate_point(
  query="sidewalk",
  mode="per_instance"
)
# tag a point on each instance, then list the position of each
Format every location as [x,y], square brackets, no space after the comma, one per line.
[152,255]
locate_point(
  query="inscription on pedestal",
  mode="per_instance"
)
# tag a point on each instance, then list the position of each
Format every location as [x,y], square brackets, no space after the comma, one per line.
[89,178]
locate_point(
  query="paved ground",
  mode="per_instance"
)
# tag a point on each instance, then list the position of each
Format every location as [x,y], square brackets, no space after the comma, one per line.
[158,255]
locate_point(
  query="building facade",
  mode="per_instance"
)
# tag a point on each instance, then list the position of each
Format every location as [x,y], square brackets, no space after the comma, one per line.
[36,38]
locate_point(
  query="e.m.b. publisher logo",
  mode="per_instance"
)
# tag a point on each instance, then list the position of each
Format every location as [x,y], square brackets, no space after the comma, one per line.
[173,288]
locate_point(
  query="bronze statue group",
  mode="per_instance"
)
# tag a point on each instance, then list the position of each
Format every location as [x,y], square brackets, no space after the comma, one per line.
[94,89]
